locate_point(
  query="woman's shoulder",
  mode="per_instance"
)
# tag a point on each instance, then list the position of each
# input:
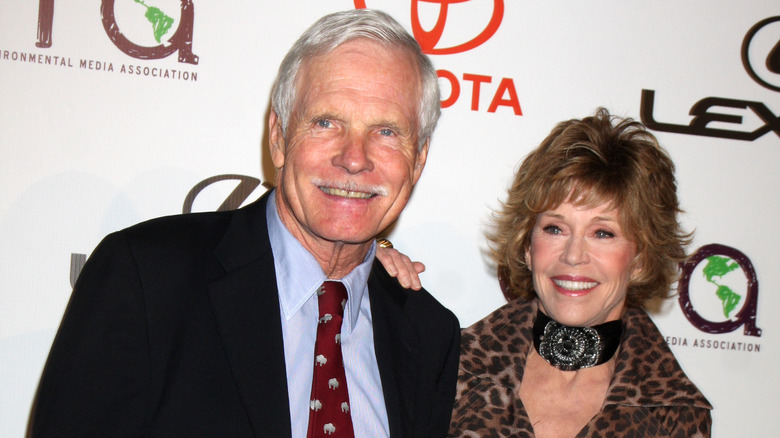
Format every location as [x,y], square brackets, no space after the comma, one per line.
[514,314]
[493,353]
[495,347]
[647,369]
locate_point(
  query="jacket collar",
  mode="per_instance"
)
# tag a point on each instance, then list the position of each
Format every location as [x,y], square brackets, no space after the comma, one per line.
[397,348]
[647,373]
[246,308]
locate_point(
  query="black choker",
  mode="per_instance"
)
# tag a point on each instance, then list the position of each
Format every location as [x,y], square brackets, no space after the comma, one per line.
[571,348]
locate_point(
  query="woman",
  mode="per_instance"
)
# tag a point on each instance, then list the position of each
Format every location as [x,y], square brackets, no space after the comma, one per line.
[588,235]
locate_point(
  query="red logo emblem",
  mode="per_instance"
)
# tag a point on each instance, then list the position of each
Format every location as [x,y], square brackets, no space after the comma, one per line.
[429,39]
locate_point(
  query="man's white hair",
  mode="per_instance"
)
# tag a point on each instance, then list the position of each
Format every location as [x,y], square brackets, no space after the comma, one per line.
[335,29]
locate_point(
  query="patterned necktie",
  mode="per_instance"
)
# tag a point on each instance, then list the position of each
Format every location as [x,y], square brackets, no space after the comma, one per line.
[329,414]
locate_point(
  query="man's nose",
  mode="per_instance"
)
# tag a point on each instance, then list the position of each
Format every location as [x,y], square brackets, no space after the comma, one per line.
[353,154]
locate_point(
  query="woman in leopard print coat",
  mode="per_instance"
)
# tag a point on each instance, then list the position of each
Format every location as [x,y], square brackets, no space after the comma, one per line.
[588,234]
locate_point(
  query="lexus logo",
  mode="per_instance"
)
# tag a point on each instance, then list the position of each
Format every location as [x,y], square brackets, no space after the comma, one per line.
[761,53]
[761,58]
[429,40]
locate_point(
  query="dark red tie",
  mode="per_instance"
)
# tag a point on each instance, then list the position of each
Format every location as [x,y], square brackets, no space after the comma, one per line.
[329,413]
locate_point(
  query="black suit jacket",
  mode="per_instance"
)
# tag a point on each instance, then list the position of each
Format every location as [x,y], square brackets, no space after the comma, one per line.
[174,329]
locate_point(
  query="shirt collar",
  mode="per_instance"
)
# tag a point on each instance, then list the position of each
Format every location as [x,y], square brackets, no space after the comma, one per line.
[299,275]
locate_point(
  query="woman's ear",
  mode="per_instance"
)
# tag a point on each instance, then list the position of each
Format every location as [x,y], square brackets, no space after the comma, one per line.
[528,258]
[636,269]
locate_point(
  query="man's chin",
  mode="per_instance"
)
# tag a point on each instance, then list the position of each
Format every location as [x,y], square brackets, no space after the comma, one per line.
[350,236]
[352,240]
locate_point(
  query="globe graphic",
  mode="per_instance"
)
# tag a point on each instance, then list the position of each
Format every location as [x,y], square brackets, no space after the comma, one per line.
[718,288]
[147,23]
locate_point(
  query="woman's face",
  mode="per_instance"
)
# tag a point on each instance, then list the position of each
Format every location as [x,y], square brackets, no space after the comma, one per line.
[581,261]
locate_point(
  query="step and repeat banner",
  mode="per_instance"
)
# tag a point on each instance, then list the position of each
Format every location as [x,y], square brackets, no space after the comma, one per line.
[117,111]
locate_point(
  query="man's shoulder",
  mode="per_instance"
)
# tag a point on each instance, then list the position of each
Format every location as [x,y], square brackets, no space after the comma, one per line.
[416,304]
[190,229]
[172,252]
[175,231]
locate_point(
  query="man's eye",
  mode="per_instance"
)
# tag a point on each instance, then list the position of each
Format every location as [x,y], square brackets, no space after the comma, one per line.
[324,123]
[604,234]
[387,132]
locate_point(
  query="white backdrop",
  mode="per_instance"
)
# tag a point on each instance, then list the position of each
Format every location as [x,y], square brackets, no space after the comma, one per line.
[90,145]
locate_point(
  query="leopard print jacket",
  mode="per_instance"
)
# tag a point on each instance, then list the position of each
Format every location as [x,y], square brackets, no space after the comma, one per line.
[649,395]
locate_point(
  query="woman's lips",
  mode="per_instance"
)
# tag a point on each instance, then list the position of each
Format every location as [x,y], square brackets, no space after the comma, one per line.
[574,286]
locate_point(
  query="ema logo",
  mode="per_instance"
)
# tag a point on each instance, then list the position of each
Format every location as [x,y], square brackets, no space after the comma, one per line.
[156,24]
[156,32]
[728,286]
[761,58]
[429,40]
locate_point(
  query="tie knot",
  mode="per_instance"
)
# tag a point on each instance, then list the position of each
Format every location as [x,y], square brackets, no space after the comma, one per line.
[332,296]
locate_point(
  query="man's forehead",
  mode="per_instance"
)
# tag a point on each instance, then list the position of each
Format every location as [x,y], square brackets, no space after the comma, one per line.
[383,56]
[334,84]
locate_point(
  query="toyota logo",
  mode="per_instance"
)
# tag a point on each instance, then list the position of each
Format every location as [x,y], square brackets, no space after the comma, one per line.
[429,40]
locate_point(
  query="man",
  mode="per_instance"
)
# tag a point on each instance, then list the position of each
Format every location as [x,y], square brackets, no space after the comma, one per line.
[206,324]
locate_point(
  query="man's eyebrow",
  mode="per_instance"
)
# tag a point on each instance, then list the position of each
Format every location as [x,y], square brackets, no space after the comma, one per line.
[322,115]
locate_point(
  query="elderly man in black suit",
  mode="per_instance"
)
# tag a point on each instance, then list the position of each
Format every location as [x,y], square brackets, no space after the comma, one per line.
[207,324]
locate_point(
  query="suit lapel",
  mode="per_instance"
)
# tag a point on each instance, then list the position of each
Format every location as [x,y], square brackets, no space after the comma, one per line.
[397,350]
[246,307]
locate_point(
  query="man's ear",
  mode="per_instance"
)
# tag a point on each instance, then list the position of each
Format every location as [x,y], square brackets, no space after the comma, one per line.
[419,162]
[276,139]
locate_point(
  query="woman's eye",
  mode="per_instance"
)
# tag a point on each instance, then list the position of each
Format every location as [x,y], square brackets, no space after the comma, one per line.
[551,229]
[604,234]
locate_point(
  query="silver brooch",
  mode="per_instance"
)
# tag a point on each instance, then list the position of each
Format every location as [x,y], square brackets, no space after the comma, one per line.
[569,348]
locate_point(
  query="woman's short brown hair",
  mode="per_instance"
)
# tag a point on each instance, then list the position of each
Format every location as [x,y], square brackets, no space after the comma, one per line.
[602,158]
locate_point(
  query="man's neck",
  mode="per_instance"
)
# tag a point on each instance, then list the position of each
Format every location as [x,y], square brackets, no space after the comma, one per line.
[336,258]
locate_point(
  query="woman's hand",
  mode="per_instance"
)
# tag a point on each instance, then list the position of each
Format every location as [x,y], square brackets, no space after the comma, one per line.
[399,265]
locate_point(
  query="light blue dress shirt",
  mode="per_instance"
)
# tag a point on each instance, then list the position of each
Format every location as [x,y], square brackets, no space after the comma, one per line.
[298,276]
